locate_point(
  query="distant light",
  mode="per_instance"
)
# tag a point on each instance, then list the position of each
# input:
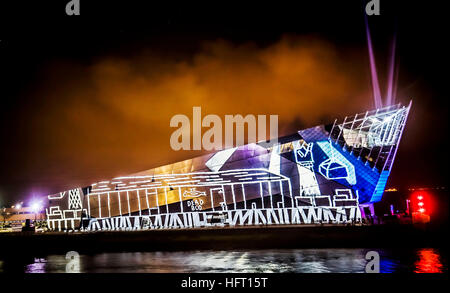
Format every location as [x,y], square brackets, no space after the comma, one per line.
[18,206]
[420,197]
[422,210]
[420,204]
[391,190]
[36,207]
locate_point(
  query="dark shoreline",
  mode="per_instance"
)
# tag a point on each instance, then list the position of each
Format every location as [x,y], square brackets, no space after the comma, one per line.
[280,237]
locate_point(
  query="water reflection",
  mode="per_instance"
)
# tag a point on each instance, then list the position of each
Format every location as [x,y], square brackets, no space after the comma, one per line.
[429,261]
[248,261]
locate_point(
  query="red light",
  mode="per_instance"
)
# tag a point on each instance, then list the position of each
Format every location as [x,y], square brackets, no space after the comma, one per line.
[422,202]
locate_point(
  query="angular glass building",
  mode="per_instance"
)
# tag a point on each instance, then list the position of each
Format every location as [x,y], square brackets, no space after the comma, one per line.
[324,174]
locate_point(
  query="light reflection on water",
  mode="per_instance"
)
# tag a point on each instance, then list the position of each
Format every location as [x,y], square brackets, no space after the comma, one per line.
[428,262]
[245,261]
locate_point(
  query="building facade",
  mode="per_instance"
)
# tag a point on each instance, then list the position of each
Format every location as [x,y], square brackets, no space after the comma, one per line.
[324,174]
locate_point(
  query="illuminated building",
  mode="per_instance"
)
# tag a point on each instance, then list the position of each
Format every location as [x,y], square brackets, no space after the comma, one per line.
[18,215]
[324,174]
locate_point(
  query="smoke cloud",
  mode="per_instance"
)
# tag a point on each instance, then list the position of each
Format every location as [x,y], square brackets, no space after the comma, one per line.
[111,118]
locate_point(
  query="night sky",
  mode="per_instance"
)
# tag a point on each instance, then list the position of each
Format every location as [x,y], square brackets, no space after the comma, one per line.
[90,97]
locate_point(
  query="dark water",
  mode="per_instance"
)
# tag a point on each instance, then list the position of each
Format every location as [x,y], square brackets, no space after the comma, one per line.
[245,261]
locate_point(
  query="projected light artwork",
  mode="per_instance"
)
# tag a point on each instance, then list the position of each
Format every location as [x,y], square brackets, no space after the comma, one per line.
[317,175]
